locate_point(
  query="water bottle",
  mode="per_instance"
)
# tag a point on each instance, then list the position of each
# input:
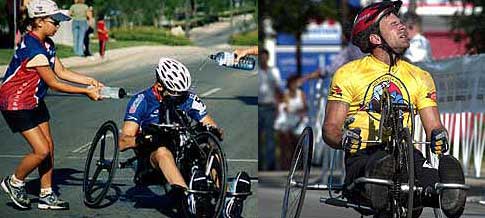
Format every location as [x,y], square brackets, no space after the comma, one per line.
[228,59]
[111,92]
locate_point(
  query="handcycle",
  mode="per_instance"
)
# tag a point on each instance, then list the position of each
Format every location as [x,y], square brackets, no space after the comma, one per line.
[397,141]
[196,147]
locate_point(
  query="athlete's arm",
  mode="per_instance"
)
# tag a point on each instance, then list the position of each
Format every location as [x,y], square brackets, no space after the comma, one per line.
[430,117]
[49,77]
[128,135]
[335,115]
[71,76]
[208,121]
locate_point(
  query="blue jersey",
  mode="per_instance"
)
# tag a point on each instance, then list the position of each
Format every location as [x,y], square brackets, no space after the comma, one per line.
[23,88]
[143,108]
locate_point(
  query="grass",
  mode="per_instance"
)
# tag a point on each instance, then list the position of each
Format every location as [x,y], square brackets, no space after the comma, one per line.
[5,56]
[150,34]
[247,38]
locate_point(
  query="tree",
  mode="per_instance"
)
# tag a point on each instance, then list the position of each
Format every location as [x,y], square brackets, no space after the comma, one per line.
[292,16]
[471,25]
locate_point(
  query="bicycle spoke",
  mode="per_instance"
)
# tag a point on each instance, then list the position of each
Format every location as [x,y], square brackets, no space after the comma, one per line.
[102,147]
[94,178]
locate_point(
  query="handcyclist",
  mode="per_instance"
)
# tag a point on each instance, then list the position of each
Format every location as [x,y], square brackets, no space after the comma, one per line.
[355,93]
[171,88]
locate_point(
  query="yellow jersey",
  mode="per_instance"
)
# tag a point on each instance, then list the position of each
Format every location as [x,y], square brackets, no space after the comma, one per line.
[360,84]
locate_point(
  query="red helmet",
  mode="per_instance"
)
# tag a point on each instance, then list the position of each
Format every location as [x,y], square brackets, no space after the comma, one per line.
[369,16]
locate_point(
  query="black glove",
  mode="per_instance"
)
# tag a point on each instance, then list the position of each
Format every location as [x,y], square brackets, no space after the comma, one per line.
[218,132]
[351,139]
[439,141]
[149,136]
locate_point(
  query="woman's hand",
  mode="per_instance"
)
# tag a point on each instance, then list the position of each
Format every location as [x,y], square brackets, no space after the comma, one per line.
[93,93]
[94,82]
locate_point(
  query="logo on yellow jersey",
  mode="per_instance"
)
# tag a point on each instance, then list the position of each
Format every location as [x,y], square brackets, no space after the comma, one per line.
[431,95]
[336,91]
[394,86]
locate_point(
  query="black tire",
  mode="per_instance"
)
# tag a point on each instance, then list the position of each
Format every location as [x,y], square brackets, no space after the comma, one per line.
[409,146]
[94,189]
[213,161]
[297,181]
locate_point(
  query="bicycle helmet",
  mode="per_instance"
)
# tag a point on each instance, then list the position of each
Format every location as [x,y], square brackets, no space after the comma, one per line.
[173,75]
[367,22]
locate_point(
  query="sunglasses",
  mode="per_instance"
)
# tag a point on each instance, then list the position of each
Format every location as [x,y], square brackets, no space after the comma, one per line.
[53,22]
[174,93]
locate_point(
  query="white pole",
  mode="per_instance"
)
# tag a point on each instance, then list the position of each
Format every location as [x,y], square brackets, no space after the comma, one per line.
[14,22]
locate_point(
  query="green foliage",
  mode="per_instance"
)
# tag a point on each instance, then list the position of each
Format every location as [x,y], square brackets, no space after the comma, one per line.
[248,38]
[472,25]
[5,56]
[291,16]
[150,34]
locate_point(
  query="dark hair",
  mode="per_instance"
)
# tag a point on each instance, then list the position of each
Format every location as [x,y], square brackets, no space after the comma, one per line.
[265,51]
[411,18]
[291,79]
[27,22]
[362,39]
[100,16]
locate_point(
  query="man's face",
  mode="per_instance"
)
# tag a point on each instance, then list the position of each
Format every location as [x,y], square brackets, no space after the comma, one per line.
[394,32]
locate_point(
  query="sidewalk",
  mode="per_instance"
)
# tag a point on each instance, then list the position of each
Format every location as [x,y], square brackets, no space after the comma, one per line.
[129,53]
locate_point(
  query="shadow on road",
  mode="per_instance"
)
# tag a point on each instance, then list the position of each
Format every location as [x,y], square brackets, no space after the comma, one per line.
[143,197]
[62,176]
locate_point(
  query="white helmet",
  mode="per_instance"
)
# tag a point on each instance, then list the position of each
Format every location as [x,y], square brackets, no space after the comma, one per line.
[42,8]
[173,75]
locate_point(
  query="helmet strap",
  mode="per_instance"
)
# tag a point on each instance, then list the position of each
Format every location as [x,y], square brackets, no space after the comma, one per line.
[393,56]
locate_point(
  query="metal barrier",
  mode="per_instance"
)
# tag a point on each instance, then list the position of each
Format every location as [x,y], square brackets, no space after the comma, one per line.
[467,138]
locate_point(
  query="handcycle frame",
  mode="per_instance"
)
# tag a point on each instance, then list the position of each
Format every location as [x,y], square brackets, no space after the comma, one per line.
[195,146]
[391,131]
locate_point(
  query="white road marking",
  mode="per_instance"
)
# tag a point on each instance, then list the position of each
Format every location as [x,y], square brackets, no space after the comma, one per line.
[242,160]
[210,92]
[81,148]
[11,156]
[85,147]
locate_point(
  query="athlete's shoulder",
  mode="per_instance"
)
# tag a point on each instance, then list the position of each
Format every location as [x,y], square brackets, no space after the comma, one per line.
[416,70]
[351,67]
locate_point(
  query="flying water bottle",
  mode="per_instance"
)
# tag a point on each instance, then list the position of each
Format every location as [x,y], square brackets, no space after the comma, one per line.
[228,59]
[111,92]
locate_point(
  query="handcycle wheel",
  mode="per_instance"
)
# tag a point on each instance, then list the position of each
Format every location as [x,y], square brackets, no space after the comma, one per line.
[101,163]
[410,169]
[212,161]
[298,176]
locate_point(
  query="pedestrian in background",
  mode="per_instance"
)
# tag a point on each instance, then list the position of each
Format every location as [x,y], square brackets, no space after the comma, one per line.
[32,70]
[419,48]
[268,98]
[349,53]
[102,34]
[291,120]
[79,14]
[89,31]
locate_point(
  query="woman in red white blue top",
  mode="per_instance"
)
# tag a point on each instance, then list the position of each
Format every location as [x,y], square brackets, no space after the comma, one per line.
[33,69]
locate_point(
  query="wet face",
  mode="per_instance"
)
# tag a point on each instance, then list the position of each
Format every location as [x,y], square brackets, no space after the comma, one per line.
[394,32]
